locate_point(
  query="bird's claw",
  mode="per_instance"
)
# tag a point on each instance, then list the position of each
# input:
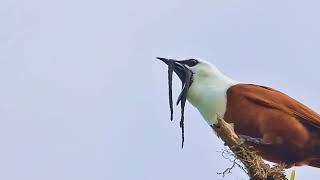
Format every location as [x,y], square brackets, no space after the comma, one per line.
[247,139]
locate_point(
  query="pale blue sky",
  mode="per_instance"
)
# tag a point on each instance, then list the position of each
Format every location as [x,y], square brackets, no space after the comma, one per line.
[83,97]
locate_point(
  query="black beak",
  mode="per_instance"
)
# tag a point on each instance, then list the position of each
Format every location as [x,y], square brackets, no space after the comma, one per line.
[183,72]
[185,75]
[163,59]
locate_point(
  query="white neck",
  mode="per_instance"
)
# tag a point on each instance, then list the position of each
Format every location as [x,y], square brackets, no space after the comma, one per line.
[208,94]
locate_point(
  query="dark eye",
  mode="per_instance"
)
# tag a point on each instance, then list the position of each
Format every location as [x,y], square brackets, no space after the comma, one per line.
[191,62]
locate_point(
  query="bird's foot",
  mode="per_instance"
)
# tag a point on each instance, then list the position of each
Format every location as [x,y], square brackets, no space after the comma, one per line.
[251,140]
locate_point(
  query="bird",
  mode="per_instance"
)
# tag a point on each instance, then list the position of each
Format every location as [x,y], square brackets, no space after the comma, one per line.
[280,128]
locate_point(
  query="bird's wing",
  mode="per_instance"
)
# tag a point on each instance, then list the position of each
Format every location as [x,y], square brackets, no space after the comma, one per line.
[271,98]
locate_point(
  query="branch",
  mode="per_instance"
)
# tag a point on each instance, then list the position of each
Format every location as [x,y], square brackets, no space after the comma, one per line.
[255,167]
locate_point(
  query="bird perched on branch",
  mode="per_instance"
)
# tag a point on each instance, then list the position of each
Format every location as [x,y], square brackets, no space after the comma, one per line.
[280,128]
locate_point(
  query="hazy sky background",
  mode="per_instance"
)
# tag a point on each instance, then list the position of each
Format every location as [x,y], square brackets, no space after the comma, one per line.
[83,97]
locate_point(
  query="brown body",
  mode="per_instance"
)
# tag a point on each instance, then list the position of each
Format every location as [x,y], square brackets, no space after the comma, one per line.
[289,130]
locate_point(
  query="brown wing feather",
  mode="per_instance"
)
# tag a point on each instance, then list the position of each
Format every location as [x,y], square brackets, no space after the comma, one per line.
[278,100]
[291,129]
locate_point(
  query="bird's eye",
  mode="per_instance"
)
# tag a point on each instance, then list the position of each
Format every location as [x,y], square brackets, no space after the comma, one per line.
[190,62]
[194,62]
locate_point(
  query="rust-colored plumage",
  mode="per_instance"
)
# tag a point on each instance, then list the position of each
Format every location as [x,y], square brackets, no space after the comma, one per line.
[289,131]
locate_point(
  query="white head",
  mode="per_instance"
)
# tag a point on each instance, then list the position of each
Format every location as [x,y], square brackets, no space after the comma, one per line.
[204,86]
[201,69]
[204,71]
[208,88]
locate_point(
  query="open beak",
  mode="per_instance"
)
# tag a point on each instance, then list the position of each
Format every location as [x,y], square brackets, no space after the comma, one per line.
[183,72]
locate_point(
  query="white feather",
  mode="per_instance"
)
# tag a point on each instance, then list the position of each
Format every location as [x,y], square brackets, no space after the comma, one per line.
[208,91]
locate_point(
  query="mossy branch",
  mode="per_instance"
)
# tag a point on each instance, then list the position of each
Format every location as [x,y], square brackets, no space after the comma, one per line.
[255,167]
